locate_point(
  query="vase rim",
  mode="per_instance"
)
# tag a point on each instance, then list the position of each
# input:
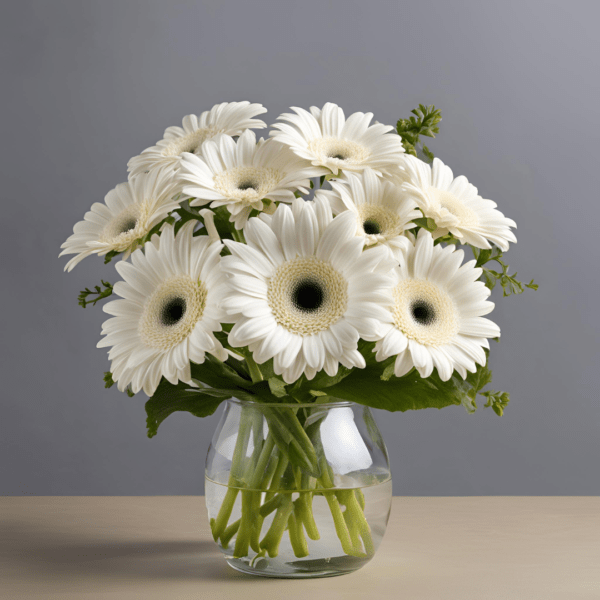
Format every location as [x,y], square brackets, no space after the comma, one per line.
[334,404]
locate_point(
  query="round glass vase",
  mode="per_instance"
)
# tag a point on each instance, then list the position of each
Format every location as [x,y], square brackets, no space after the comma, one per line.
[297,490]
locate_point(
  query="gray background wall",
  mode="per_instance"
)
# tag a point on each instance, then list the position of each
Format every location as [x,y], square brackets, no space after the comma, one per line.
[86,85]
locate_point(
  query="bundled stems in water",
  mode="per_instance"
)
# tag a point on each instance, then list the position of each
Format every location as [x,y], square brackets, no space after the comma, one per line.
[289,460]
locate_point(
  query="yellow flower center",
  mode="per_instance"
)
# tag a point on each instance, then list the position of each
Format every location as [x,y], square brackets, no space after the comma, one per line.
[172,311]
[122,231]
[190,142]
[378,222]
[343,153]
[424,312]
[307,295]
[449,203]
[247,184]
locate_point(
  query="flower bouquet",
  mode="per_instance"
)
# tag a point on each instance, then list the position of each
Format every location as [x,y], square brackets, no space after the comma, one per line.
[300,279]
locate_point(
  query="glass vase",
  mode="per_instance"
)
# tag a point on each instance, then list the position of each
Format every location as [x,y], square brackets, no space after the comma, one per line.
[297,490]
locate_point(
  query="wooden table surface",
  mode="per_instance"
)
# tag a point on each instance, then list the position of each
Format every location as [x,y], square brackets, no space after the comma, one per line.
[480,548]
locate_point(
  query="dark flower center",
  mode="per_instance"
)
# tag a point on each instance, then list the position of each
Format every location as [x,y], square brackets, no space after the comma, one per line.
[338,156]
[173,311]
[248,185]
[371,227]
[308,296]
[423,312]
[128,225]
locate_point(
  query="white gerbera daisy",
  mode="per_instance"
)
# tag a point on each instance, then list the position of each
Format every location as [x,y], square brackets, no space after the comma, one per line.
[231,118]
[168,312]
[455,206]
[240,175]
[129,212]
[437,313]
[326,138]
[302,291]
[383,212]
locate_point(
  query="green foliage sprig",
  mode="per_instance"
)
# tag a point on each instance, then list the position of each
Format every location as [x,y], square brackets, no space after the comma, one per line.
[97,291]
[497,401]
[510,284]
[108,380]
[424,122]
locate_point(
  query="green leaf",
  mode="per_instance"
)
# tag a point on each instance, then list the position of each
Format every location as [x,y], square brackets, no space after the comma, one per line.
[489,278]
[169,398]
[267,369]
[447,239]
[410,392]
[322,381]
[374,386]
[277,387]
[155,230]
[97,291]
[217,381]
[388,372]
[482,256]
[473,385]
[425,223]
[216,374]
[224,393]
[428,153]
[222,223]
[187,214]
[531,285]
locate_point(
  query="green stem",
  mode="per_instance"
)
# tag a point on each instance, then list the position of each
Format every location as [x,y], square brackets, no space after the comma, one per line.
[297,539]
[282,465]
[341,528]
[235,475]
[259,555]
[357,520]
[291,438]
[220,523]
[238,235]
[353,531]
[305,507]
[307,516]
[348,526]
[261,463]
[268,507]
[275,501]
[270,472]
[255,486]
[273,537]
[361,498]
[253,369]
[242,541]
[280,473]
[257,452]
[248,528]
[229,532]
[239,453]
